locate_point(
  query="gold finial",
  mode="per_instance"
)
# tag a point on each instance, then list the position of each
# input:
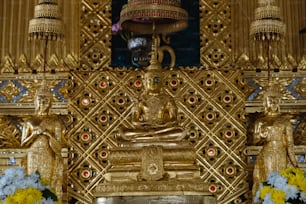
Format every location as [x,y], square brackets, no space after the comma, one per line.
[268,23]
[46,23]
[154,63]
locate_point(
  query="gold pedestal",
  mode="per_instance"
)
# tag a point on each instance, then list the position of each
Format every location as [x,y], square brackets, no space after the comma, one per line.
[158,200]
[152,170]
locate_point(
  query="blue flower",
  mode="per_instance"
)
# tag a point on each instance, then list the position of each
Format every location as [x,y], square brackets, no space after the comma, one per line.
[291,191]
[276,180]
[47,201]
[14,179]
[303,196]
[279,182]
[267,199]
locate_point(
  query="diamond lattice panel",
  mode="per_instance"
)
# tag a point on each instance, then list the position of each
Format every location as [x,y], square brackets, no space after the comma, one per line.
[102,103]
[210,103]
[215,31]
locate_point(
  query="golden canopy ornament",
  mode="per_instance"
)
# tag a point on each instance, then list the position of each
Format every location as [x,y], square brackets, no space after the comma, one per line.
[154,17]
[47,23]
[268,25]
[167,16]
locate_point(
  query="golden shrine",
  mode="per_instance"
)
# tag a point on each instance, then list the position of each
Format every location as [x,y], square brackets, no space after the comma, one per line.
[159,132]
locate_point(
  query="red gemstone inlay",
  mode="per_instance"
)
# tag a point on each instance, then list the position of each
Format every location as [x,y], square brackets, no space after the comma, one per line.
[120,101]
[212,188]
[137,83]
[230,170]
[103,154]
[103,118]
[85,174]
[103,84]
[210,116]
[85,137]
[174,82]
[228,133]
[85,101]
[211,152]
[208,82]
[191,99]
[227,99]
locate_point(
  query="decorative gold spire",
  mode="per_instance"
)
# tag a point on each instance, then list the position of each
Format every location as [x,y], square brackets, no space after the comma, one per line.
[46,23]
[154,63]
[268,23]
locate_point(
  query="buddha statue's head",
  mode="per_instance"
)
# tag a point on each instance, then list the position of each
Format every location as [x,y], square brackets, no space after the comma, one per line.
[153,83]
[43,99]
[272,98]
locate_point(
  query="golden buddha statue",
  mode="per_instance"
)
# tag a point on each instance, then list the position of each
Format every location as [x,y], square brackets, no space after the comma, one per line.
[274,133]
[43,135]
[154,114]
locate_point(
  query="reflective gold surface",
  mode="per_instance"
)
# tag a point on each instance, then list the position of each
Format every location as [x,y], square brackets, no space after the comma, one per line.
[268,25]
[274,132]
[148,17]
[211,99]
[154,114]
[43,134]
[54,27]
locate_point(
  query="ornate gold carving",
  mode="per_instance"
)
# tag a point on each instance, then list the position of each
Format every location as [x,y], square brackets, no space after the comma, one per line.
[154,114]
[10,158]
[10,135]
[17,92]
[171,17]
[152,167]
[44,135]
[9,66]
[23,65]
[208,84]
[275,132]
[275,28]
[152,188]
[46,22]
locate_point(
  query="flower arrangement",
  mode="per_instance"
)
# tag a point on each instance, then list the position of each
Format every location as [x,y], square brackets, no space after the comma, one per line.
[125,35]
[18,188]
[287,186]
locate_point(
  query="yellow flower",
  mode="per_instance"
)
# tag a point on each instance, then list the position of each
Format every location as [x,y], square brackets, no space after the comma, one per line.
[264,191]
[24,196]
[278,196]
[295,177]
[302,185]
[44,182]
[292,172]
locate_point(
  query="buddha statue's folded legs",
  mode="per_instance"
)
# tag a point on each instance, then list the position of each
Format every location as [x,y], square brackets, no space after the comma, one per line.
[152,134]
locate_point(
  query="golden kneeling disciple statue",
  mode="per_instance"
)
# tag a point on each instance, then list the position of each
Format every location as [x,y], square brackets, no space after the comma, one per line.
[154,114]
[274,132]
[43,135]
